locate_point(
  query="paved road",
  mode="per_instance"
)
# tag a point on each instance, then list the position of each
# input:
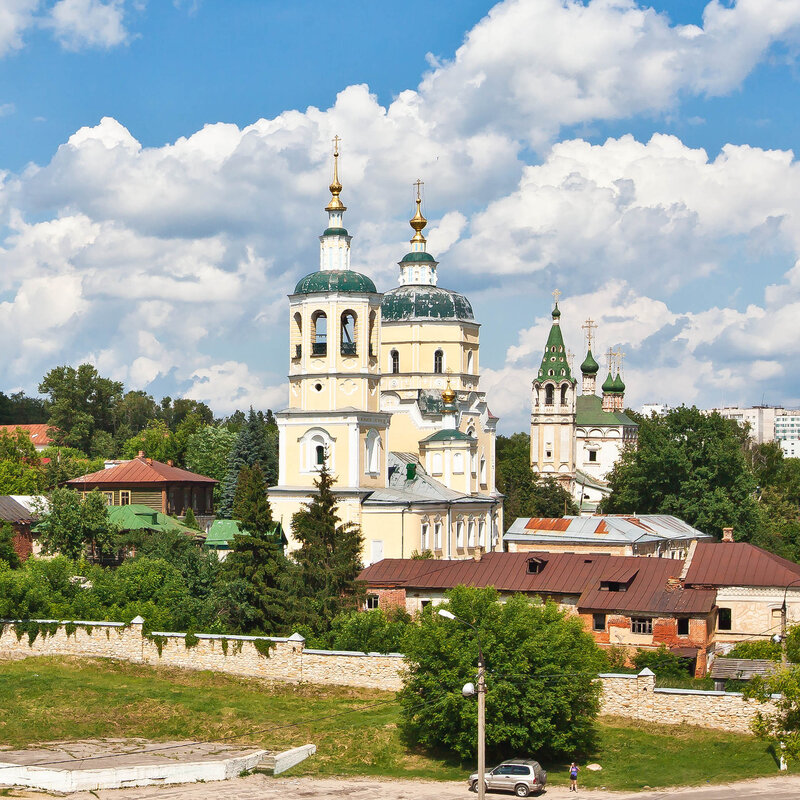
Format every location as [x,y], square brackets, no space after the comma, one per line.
[262,787]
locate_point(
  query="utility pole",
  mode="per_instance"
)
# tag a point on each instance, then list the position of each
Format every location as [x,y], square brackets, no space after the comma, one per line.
[784,654]
[481,728]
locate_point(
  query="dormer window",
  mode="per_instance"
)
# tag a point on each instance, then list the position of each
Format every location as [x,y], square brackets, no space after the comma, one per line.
[613,586]
[536,565]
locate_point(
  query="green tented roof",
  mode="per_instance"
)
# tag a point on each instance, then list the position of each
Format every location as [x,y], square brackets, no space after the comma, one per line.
[424,302]
[589,411]
[334,280]
[554,362]
[449,434]
[410,258]
[589,366]
[138,517]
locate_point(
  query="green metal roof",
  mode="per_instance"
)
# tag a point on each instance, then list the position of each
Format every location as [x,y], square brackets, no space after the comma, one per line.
[409,258]
[589,366]
[334,280]
[619,386]
[334,232]
[447,435]
[220,535]
[138,517]
[589,412]
[554,362]
[424,302]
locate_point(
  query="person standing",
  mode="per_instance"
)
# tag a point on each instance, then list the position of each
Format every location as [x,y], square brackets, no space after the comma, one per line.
[573,777]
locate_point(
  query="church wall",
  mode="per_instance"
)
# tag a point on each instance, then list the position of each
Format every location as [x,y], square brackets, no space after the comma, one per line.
[609,446]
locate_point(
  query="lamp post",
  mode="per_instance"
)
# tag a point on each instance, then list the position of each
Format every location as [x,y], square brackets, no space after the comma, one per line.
[784,654]
[469,690]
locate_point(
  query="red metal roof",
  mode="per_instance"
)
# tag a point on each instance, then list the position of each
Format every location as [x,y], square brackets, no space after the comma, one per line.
[547,524]
[37,433]
[739,564]
[139,471]
[563,574]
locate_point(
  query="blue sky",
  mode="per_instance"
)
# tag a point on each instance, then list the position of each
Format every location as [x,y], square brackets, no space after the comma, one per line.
[163,171]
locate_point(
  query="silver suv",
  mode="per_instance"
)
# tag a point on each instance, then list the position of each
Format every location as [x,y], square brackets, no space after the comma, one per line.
[517,775]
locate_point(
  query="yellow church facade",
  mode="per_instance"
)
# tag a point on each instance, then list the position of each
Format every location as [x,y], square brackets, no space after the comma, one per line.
[384,390]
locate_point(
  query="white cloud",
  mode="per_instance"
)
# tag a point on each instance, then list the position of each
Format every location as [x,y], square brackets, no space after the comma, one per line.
[15,17]
[230,385]
[78,24]
[7,109]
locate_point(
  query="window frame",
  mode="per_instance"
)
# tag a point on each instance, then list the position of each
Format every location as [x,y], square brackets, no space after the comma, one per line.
[599,628]
[372,602]
[642,625]
[728,626]
[125,497]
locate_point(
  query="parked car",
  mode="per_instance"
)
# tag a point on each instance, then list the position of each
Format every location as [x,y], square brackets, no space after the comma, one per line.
[518,775]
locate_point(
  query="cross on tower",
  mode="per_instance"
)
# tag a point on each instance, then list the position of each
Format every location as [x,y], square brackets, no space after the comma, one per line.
[589,326]
[418,183]
[610,354]
[336,139]
[620,357]
[556,295]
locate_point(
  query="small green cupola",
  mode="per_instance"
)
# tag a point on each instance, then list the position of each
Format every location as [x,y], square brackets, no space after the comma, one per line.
[619,386]
[555,364]
[589,366]
[608,384]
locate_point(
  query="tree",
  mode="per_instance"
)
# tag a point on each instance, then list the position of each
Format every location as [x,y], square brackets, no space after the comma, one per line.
[689,464]
[20,469]
[328,559]
[65,463]
[17,409]
[7,551]
[781,727]
[155,441]
[80,402]
[541,664]
[250,449]
[526,494]
[207,452]
[190,521]
[70,525]
[256,560]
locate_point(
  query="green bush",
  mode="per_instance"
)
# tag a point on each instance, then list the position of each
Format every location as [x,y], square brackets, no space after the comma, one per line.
[764,649]
[663,662]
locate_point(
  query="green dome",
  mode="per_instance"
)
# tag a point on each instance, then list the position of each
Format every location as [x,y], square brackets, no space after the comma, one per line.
[335,232]
[333,280]
[410,258]
[608,385]
[424,302]
[556,312]
[589,366]
[619,386]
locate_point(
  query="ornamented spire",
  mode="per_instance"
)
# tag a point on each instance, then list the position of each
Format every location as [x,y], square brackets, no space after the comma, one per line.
[418,267]
[555,363]
[335,187]
[418,223]
[556,313]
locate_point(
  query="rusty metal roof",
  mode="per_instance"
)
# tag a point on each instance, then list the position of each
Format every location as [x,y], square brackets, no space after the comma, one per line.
[139,471]
[561,574]
[741,668]
[12,511]
[739,564]
[36,432]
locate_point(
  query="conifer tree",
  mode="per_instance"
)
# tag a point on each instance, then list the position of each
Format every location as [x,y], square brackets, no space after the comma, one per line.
[190,521]
[250,449]
[256,564]
[328,560]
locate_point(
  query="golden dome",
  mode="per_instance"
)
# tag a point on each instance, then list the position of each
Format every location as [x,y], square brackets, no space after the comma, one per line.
[448,394]
[335,187]
[418,222]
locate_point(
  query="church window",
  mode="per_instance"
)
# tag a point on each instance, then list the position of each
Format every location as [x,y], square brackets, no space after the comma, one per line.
[423,537]
[548,454]
[593,456]
[319,334]
[474,463]
[458,463]
[319,455]
[471,534]
[563,373]
[436,467]
[373,343]
[437,536]
[548,395]
[348,333]
[438,362]
[469,362]
[550,373]
[373,451]
[481,534]
[395,356]
[459,534]
[563,394]
[724,622]
[553,349]
[483,469]
[298,335]
[318,387]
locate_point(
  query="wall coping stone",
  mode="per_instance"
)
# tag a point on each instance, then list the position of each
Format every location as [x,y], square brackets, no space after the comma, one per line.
[700,692]
[66,621]
[233,637]
[627,675]
[357,653]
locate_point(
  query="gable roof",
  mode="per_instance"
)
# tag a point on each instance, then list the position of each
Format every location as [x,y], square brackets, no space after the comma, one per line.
[37,433]
[580,574]
[138,517]
[739,564]
[589,412]
[139,470]
[13,511]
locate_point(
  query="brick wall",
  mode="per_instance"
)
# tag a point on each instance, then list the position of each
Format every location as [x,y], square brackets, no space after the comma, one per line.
[287,659]
[390,598]
[22,540]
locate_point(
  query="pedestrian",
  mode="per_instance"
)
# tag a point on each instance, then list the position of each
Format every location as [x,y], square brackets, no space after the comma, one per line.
[573,777]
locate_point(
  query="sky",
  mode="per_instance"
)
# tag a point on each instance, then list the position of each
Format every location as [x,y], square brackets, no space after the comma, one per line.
[164,169]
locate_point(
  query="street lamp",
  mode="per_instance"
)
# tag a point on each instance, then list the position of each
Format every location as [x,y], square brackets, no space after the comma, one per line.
[784,654]
[469,690]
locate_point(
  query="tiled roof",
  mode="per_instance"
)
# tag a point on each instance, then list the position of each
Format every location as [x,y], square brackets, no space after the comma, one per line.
[561,574]
[36,433]
[739,564]
[138,471]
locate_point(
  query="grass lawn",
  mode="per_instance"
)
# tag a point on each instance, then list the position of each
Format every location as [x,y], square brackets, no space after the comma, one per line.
[48,699]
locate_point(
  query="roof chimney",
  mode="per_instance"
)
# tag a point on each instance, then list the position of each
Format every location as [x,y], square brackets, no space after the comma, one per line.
[149,460]
[141,454]
[727,534]
[477,554]
[169,462]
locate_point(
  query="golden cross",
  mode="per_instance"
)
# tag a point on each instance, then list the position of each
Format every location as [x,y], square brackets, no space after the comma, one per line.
[336,139]
[610,358]
[589,326]
[418,183]
[570,357]
[620,357]
[556,295]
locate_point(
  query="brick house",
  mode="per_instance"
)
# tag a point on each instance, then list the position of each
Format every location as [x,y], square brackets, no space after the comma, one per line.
[21,520]
[145,481]
[627,601]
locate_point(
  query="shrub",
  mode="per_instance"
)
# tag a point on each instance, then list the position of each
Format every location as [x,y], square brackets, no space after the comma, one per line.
[663,662]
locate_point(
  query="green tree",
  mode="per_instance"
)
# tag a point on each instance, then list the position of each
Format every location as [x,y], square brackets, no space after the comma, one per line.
[80,402]
[7,551]
[155,441]
[541,694]
[190,521]
[70,525]
[328,559]
[369,631]
[65,463]
[133,412]
[207,452]
[18,409]
[250,449]
[781,727]
[663,662]
[689,464]
[256,562]
[525,494]
[20,466]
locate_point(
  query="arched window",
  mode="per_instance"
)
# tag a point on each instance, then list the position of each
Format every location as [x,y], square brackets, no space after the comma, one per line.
[459,534]
[373,339]
[317,449]
[395,366]
[458,463]
[298,335]
[469,362]
[438,362]
[436,465]
[564,395]
[482,533]
[348,333]
[372,464]
[483,469]
[319,455]
[548,395]
[319,334]
[471,534]
[423,537]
